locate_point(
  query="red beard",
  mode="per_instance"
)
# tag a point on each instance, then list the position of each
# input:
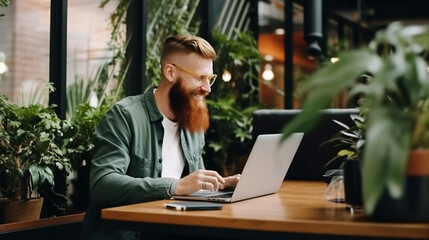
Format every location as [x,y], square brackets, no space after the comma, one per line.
[190,113]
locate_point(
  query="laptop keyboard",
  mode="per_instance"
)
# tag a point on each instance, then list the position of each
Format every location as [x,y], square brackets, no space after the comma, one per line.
[225,195]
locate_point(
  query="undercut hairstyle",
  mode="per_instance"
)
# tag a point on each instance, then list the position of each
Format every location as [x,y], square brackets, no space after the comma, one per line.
[187,44]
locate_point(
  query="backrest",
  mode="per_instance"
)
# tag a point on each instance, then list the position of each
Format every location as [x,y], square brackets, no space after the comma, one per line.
[311,156]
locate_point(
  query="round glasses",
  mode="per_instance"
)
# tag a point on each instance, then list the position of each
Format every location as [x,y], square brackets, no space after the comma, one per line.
[201,78]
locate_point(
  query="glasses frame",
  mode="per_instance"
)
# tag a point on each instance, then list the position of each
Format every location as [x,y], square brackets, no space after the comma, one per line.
[199,77]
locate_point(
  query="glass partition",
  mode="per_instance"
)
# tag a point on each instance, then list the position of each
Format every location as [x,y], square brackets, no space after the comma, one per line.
[24,51]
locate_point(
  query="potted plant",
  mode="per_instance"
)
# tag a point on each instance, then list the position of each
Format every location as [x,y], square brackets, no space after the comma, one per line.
[31,152]
[84,122]
[230,138]
[232,102]
[350,142]
[395,103]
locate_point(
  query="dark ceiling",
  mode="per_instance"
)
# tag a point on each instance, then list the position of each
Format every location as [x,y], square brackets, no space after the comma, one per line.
[372,14]
[378,13]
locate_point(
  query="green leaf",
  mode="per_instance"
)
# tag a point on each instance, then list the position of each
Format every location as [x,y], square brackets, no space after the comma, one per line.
[4,3]
[385,155]
[216,146]
[327,82]
[48,175]
[35,176]
[345,153]
[42,146]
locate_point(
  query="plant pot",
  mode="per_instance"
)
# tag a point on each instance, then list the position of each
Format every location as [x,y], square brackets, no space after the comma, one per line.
[20,210]
[55,198]
[353,185]
[413,205]
[80,194]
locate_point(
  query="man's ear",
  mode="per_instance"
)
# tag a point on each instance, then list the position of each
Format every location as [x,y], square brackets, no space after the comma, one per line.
[169,72]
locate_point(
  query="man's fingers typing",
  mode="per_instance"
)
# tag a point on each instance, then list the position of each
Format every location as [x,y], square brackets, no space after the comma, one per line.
[214,174]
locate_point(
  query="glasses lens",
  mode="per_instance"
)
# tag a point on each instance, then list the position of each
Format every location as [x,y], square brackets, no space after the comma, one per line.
[212,79]
[204,78]
[201,78]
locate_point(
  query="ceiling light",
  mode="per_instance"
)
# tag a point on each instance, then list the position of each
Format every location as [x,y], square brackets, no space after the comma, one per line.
[226,76]
[334,59]
[279,31]
[268,73]
[268,58]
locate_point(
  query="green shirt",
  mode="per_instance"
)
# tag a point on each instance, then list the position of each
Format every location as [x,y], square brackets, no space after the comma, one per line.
[127,162]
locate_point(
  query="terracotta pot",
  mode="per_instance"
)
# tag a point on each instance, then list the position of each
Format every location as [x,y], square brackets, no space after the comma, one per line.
[20,210]
[418,163]
[413,205]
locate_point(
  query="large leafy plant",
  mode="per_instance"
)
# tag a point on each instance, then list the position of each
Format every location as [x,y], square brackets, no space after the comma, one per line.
[31,148]
[395,103]
[80,140]
[232,103]
[230,133]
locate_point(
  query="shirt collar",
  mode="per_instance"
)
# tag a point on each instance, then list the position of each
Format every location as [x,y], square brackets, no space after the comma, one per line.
[154,113]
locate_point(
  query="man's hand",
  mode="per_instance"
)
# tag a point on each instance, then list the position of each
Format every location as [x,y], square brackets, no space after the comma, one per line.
[231,181]
[200,179]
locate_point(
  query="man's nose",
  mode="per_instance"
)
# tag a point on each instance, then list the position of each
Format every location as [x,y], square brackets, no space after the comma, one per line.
[206,87]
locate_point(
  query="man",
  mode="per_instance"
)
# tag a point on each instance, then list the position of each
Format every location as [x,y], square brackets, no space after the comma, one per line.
[149,147]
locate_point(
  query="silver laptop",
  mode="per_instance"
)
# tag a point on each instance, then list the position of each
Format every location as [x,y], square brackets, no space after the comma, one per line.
[263,173]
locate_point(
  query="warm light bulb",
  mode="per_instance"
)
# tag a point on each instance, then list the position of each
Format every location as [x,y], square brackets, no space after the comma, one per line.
[279,31]
[226,76]
[268,58]
[334,59]
[268,73]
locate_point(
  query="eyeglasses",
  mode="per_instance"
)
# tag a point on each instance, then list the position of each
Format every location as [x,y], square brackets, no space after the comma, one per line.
[200,77]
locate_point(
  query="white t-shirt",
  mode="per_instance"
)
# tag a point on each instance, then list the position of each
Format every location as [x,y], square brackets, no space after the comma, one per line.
[172,156]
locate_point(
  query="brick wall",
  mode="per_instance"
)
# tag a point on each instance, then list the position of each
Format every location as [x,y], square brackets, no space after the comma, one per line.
[24,38]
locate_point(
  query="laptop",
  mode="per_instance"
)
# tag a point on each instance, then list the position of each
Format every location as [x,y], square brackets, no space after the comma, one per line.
[263,173]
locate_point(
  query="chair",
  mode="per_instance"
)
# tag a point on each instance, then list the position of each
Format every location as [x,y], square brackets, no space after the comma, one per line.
[311,157]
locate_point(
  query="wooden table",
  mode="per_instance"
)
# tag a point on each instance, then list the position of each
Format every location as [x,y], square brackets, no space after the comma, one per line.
[298,210]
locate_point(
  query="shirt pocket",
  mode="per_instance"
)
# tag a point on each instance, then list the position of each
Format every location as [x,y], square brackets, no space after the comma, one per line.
[140,167]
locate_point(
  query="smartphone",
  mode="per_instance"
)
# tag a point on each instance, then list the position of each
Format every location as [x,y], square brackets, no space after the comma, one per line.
[189,205]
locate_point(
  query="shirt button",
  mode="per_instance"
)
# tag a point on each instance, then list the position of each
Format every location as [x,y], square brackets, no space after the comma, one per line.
[160,160]
[159,174]
[160,141]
